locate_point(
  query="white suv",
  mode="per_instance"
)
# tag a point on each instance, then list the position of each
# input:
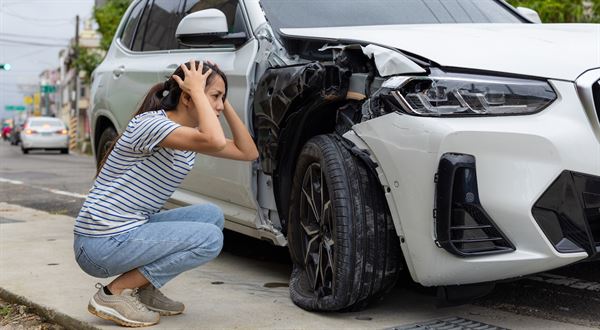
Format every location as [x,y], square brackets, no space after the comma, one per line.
[454,139]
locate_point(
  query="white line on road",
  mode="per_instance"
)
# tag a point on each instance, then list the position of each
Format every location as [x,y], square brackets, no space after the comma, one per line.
[10,181]
[54,191]
[570,282]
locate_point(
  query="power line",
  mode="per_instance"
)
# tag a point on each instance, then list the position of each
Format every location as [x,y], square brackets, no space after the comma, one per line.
[22,56]
[30,36]
[35,19]
[31,43]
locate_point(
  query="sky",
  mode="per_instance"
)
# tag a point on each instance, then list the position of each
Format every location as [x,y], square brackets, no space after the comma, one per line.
[32,32]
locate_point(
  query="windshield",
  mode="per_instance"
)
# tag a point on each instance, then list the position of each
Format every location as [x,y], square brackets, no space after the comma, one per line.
[46,123]
[325,13]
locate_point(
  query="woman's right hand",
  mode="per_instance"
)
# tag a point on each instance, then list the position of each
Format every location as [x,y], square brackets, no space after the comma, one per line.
[195,80]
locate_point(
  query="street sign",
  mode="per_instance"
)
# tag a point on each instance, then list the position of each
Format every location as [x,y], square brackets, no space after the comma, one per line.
[48,89]
[14,108]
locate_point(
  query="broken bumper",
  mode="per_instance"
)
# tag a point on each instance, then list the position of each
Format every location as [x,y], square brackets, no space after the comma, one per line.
[518,159]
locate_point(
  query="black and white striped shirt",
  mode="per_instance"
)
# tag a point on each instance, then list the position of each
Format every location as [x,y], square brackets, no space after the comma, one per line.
[136,180]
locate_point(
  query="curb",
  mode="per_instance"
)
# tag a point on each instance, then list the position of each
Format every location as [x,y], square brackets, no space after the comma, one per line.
[51,315]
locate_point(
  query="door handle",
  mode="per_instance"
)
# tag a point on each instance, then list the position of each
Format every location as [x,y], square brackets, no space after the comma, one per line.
[119,71]
[168,71]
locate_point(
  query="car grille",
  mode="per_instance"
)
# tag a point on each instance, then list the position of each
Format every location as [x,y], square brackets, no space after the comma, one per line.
[569,213]
[462,225]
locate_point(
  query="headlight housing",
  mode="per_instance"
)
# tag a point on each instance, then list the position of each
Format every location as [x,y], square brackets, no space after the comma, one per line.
[456,94]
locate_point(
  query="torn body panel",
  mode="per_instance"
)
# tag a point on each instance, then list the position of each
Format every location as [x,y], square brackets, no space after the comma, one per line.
[296,102]
[291,105]
[284,91]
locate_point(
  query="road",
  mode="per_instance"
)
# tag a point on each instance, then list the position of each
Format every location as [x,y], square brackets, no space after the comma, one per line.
[57,184]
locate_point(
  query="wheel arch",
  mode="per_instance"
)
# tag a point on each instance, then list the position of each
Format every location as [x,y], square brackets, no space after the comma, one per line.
[302,127]
[102,122]
[291,105]
[360,146]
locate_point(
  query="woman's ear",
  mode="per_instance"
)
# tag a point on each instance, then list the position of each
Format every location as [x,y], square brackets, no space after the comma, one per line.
[186,99]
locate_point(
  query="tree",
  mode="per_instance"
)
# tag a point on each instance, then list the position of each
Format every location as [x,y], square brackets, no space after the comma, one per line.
[108,18]
[562,11]
[87,60]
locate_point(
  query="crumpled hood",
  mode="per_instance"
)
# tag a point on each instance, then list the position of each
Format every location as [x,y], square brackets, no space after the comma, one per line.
[558,51]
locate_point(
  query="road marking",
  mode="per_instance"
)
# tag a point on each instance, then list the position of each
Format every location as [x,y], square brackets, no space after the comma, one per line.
[570,282]
[10,181]
[66,193]
[54,191]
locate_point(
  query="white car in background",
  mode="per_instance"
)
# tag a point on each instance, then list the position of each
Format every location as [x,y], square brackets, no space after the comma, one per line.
[455,140]
[47,133]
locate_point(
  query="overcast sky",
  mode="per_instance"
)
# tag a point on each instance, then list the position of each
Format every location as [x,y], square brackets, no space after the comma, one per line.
[25,23]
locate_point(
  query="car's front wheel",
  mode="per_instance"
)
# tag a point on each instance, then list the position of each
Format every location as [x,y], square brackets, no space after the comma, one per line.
[108,136]
[341,235]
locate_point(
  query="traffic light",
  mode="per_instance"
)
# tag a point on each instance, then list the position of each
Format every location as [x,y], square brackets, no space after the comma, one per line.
[4,66]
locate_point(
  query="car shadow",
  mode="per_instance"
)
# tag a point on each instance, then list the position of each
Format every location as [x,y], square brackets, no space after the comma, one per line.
[252,248]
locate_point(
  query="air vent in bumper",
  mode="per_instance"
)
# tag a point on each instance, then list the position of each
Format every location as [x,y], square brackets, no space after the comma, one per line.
[569,213]
[462,226]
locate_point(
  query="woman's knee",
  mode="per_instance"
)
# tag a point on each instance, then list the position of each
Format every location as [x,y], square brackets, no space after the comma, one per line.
[211,213]
[213,242]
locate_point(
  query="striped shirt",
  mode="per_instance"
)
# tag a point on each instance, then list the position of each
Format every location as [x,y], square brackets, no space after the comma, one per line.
[136,180]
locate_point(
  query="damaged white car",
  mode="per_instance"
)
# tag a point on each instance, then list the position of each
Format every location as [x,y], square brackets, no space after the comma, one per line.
[452,139]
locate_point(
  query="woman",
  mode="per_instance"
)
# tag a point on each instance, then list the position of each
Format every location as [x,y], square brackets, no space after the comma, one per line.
[120,231]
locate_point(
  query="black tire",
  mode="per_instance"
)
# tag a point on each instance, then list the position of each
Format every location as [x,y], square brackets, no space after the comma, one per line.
[354,242]
[108,136]
[25,150]
[64,151]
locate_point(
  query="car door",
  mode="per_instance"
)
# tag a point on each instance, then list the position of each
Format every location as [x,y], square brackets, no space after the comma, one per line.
[223,181]
[130,76]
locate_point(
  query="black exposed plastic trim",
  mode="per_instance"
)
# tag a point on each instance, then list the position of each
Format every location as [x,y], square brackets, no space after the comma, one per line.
[454,295]
[596,93]
[569,213]
[462,225]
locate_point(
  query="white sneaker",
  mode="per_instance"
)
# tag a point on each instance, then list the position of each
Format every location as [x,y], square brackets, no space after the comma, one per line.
[125,309]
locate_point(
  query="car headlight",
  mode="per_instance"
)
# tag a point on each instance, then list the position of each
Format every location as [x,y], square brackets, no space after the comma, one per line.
[454,94]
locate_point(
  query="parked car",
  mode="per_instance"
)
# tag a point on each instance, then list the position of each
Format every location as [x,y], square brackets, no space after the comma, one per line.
[46,133]
[457,141]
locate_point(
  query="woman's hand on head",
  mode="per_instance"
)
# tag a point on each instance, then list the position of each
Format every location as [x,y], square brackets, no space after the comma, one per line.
[195,80]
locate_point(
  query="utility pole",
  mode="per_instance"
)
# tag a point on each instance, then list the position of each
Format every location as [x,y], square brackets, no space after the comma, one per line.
[74,124]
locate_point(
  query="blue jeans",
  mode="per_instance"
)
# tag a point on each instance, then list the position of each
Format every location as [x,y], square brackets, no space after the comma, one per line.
[170,243]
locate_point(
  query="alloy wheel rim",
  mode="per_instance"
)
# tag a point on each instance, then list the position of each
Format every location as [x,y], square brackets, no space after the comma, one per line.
[317,231]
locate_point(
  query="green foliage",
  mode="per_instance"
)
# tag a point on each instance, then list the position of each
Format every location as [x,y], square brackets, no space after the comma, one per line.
[108,18]
[562,11]
[5,311]
[87,60]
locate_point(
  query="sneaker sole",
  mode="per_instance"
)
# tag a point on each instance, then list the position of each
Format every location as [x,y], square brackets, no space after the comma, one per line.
[163,312]
[112,315]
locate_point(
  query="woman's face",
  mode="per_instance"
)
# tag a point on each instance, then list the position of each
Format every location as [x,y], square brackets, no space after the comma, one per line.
[214,92]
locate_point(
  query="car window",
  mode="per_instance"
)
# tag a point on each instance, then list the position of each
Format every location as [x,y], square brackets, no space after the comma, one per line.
[160,26]
[159,21]
[138,40]
[132,22]
[330,13]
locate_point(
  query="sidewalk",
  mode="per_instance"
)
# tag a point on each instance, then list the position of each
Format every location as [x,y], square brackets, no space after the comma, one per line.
[37,262]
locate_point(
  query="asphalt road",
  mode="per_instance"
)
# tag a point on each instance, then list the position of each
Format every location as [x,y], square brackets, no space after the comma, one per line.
[57,183]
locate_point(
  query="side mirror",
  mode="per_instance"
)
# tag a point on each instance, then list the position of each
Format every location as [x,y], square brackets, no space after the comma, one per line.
[207,28]
[530,14]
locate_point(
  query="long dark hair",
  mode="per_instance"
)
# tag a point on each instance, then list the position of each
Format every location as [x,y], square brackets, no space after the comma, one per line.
[165,95]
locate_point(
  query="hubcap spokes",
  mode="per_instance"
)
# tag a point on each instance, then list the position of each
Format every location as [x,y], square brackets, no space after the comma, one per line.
[317,225]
